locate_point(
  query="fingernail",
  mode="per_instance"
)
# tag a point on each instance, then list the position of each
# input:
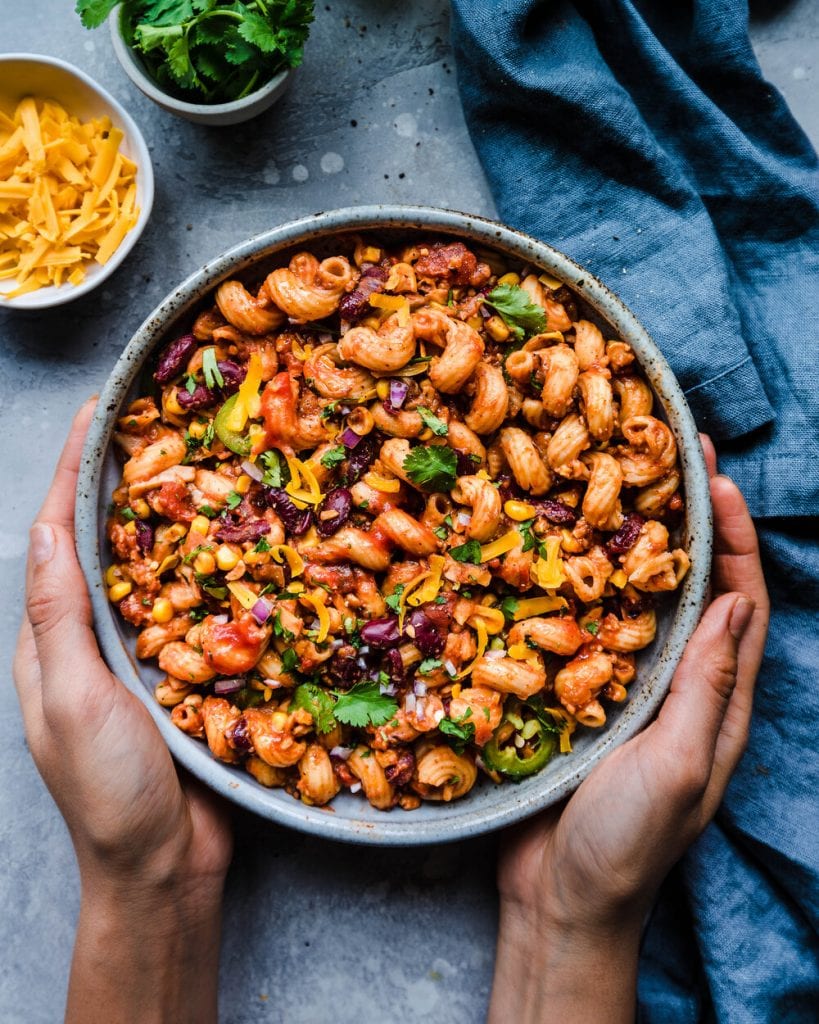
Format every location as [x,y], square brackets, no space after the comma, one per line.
[42,543]
[741,617]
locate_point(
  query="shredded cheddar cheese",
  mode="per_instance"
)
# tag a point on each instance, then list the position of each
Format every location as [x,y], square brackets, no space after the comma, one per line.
[67,195]
[483,639]
[500,546]
[244,595]
[538,606]
[548,572]
[317,600]
[432,584]
[284,552]
[248,403]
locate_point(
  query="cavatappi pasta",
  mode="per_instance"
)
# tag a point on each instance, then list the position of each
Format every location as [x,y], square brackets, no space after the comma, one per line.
[392,519]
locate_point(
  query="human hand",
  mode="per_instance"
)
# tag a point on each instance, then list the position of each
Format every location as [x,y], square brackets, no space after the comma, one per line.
[576,882]
[152,846]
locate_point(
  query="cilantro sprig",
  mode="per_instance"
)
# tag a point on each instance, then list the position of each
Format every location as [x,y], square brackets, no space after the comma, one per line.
[522,316]
[364,704]
[210,51]
[433,468]
[436,425]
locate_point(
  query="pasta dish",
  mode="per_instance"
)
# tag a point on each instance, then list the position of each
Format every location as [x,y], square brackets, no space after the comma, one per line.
[393,519]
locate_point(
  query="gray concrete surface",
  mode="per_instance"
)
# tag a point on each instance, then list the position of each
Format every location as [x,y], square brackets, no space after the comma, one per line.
[314,932]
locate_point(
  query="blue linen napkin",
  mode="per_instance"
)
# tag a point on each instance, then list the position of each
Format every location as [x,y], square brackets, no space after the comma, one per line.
[641,139]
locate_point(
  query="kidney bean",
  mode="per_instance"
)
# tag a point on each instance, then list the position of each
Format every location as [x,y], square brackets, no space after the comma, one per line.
[200,398]
[381,632]
[233,374]
[627,535]
[425,635]
[556,512]
[237,533]
[340,501]
[295,520]
[174,357]
[362,457]
[400,773]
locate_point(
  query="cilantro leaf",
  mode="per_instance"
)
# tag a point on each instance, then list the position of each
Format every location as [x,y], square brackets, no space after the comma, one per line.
[469,552]
[520,314]
[334,457]
[364,704]
[459,732]
[262,545]
[441,532]
[393,602]
[437,426]
[210,368]
[233,500]
[434,469]
[509,605]
[318,702]
[526,533]
[272,476]
[593,627]
[94,12]
[190,384]
[290,660]
[429,665]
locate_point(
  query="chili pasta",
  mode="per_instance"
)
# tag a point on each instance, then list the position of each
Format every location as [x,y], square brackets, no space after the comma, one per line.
[393,519]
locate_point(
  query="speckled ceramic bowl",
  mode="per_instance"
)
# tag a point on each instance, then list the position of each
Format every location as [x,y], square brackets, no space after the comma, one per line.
[487,807]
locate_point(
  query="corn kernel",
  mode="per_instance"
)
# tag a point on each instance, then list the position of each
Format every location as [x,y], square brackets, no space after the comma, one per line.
[242,485]
[278,720]
[141,508]
[197,429]
[119,591]
[509,279]
[162,610]
[456,690]
[175,533]
[227,557]
[382,389]
[256,557]
[201,524]
[425,434]
[496,328]
[476,322]
[172,405]
[519,510]
[130,527]
[371,255]
[113,574]
[204,563]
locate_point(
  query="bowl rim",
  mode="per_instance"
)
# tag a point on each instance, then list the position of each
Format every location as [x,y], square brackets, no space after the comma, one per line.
[133,68]
[392,830]
[50,296]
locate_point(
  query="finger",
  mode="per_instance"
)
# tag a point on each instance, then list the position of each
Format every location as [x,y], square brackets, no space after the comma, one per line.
[58,506]
[710,454]
[28,682]
[59,611]
[689,723]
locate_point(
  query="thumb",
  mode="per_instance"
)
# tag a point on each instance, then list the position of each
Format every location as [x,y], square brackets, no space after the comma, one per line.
[691,717]
[58,608]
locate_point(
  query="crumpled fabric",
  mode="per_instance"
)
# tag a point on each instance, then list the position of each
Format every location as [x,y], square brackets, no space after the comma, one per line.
[641,139]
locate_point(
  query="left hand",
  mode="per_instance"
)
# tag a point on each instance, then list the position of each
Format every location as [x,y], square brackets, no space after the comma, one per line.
[153,846]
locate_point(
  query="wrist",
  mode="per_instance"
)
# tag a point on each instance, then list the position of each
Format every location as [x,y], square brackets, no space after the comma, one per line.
[572,969]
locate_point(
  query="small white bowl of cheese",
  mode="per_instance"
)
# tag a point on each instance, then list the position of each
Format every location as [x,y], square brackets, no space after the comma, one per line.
[76,182]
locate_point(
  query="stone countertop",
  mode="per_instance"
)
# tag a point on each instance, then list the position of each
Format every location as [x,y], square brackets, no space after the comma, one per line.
[314,931]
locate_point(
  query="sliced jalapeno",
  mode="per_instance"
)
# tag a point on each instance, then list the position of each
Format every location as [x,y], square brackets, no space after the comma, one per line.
[230,439]
[520,745]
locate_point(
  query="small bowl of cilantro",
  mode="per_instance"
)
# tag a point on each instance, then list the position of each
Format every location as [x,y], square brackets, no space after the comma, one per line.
[215,62]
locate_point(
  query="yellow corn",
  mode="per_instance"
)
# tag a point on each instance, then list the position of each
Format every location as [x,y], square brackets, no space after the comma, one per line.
[227,557]
[119,591]
[476,322]
[509,279]
[456,690]
[130,527]
[618,578]
[197,429]
[204,563]
[162,610]
[201,524]
[520,511]
[113,574]
[242,485]
[172,405]
[141,508]
[425,434]
[256,557]
[371,255]
[497,329]
[382,389]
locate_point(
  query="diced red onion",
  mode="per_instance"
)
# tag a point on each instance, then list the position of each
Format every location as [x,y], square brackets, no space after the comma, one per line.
[364,649]
[398,393]
[450,668]
[409,703]
[252,470]
[361,663]
[219,620]
[419,688]
[439,714]
[420,706]
[224,686]
[464,519]
[338,642]
[356,786]
[341,752]
[387,689]
[495,655]
[349,438]
[261,611]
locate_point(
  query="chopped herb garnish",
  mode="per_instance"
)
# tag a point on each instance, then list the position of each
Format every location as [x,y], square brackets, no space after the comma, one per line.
[197,614]
[522,316]
[190,383]
[318,702]
[128,513]
[526,533]
[329,409]
[593,627]
[450,298]
[211,585]
[210,369]
[469,552]
[233,500]
[363,705]
[436,425]
[272,476]
[262,545]
[279,629]
[334,457]
[458,732]
[429,665]
[434,469]
[290,660]
[208,512]
[509,605]
[441,532]
[393,602]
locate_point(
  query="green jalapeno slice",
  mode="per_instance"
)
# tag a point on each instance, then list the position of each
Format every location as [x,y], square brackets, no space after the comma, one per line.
[230,439]
[521,745]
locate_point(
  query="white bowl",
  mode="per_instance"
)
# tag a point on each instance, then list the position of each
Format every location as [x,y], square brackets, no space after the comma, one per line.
[31,74]
[214,114]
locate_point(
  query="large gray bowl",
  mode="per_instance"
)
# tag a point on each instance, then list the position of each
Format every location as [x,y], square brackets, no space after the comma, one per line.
[487,807]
